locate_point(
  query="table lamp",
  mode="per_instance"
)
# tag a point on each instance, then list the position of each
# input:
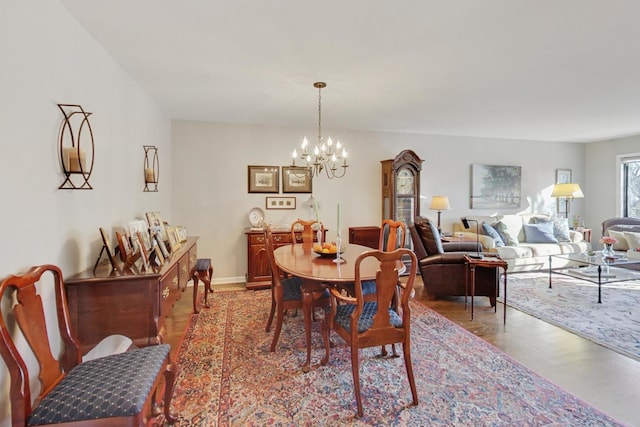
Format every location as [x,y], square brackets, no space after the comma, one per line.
[439,203]
[569,191]
[465,222]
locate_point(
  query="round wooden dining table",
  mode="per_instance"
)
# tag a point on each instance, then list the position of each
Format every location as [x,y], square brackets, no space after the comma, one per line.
[318,273]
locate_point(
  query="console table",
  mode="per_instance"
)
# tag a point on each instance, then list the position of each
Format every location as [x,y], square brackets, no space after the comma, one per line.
[131,303]
[258,271]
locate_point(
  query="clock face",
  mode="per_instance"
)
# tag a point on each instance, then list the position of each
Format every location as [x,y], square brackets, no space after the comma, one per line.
[404,182]
[256,217]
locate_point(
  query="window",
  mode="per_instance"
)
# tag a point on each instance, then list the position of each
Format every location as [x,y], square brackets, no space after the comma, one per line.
[630,177]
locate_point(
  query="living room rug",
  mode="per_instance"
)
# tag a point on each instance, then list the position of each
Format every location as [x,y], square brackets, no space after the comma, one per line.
[572,305]
[228,377]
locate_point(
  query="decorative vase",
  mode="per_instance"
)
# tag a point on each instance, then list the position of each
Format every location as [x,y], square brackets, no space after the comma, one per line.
[607,251]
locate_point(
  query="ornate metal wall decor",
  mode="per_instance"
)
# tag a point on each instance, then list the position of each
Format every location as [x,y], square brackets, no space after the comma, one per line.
[151,168]
[76,147]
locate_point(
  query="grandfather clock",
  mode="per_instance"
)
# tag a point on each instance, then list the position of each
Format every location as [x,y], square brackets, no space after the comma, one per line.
[401,188]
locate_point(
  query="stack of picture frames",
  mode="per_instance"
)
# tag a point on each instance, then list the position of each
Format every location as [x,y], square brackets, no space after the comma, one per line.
[144,240]
[266,179]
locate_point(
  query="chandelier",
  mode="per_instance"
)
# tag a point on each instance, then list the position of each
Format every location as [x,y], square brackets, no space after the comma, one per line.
[325,156]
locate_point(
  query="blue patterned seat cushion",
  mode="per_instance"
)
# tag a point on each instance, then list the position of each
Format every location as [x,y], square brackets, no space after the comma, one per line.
[368,287]
[292,289]
[203,264]
[344,311]
[111,386]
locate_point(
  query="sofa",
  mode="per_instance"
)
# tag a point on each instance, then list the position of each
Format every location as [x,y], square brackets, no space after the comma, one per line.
[443,267]
[625,230]
[525,241]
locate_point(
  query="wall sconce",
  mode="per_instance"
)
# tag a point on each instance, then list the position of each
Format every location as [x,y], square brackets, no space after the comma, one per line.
[76,146]
[151,168]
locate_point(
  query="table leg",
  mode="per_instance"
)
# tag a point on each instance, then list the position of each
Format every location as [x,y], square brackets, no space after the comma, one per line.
[504,321]
[466,285]
[195,292]
[549,271]
[599,285]
[307,303]
[472,279]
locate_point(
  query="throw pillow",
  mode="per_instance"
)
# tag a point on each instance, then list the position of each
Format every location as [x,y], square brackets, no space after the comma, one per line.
[429,235]
[622,244]
[633,240]
[508,237]
[493,233]
[561,229]
[539,233]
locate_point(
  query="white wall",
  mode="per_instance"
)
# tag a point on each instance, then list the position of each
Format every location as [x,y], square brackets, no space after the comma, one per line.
[46,59]
[210,181]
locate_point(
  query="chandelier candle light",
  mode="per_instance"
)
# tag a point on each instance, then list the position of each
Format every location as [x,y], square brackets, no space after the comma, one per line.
[325,156]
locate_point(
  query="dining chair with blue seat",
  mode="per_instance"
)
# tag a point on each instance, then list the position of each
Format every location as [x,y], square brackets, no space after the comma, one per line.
[363,322]
[286,293]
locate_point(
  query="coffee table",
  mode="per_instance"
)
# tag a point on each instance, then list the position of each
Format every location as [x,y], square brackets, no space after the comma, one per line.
[595,269]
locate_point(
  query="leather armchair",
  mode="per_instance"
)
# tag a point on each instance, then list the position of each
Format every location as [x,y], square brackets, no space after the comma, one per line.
[443,266]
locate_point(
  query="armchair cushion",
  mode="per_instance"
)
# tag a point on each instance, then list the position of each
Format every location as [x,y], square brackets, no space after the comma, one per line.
[429,235]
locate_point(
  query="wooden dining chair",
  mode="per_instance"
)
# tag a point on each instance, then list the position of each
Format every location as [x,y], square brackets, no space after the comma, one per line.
[307,230]
[117,389]
[365,324]
[286,293]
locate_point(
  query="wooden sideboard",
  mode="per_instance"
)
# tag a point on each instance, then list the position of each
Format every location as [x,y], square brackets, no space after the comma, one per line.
[365,236]
[133,303]
[258,271]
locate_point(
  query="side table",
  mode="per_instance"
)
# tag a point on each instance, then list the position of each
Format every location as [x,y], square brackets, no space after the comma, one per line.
[470,278]
[586,233]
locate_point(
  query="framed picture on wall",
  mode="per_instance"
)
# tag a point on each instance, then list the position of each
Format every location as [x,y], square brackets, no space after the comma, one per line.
[563,176]
[295,180]
[495,187]
[281,203]
[263,179]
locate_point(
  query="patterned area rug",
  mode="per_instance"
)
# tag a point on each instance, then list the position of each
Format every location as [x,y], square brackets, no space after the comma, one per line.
[228,377]
[572,305]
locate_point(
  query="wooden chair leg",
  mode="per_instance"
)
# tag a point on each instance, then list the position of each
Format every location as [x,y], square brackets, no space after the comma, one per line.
[169,382]
[407,361]
[271,313]
[276,333]
[355,367]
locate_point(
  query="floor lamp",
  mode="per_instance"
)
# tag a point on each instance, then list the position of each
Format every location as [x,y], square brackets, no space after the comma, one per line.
[439,203]
[569,191]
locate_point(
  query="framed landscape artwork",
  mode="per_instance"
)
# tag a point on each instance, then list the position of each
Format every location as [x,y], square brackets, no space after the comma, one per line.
[263,179]
[495,187]
[295,180]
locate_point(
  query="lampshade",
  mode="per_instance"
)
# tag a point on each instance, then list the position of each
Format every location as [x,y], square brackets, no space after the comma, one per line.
[440,203]
[571,190]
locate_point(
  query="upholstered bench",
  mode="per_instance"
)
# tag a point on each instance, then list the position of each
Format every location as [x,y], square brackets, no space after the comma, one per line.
[117,389]
[203,270]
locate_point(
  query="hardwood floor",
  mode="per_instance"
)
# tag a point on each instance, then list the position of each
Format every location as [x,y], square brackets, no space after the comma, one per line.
[604,378]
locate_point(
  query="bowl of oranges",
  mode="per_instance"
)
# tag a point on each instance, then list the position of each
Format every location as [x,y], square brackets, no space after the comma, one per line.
[327,250]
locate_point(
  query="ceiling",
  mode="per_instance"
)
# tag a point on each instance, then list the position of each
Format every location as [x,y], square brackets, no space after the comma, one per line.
[558,70]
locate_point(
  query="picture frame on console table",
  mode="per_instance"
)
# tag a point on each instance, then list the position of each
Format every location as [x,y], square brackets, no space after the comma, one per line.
[263,179]
[106,241]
